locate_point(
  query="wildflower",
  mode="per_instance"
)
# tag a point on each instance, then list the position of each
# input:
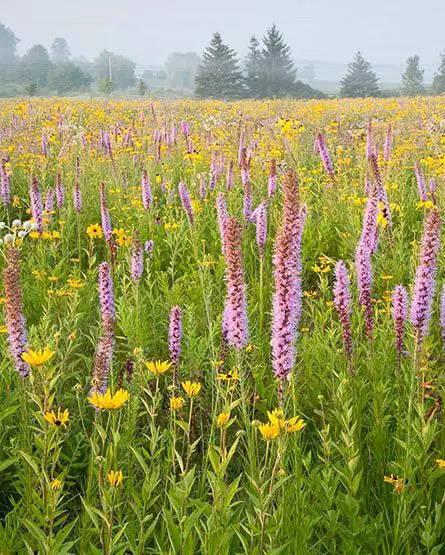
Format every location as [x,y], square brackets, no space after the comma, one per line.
[272,182]
[421,185]
[146,191]
[176,403]
[36,203]
[59,419]
[294,424]
[269,431]
[425,282]
[186,202]
[192,389]
[441,464]
[106,295]
[236,324]
[380,190]
[399,314]
[261,227]
[343,304]
[94,231]
[105,214]
[75,283]
[325,158]
[77,196]
[137,260]
[397,482]
[287,280]
[15,319]
[228,377]
[157,367]
[222,419]
[115,478]
[56,484]
[387,145]
[175,334]
[107,401]
[60,192]
[38,357]
[223,216]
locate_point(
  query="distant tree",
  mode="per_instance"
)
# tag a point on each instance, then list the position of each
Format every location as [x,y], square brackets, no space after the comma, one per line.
[85,65]
[9,63]
[117,69]
[360,81]
[439,77]
[412,79]
[219,75]
[35,65]
[60,51]
[106,85]
[67,77]
[141,87]
[31,88]
[254,64]
[182,68]
[277,75]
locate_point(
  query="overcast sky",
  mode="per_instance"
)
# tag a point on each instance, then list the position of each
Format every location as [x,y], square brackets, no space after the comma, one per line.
[386,31]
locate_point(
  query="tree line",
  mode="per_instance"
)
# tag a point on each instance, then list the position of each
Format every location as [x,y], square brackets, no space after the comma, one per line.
[270,73]
[267,71]
[40,71]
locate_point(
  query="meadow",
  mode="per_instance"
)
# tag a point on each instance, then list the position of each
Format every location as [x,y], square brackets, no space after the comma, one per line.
[222,327]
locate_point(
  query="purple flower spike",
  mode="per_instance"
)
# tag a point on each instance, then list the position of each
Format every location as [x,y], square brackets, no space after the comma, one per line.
[186,202]
[425,280]
[175,334]
[399,316]
[236,322]
[421,185]
[343,304]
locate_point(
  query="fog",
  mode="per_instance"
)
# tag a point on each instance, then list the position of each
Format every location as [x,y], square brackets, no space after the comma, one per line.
[386,31]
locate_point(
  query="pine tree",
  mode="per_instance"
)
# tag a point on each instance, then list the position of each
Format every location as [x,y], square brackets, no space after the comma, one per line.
[277,77]
[219,75]
[439,77]
[254,63]
[360,81]
[412,79]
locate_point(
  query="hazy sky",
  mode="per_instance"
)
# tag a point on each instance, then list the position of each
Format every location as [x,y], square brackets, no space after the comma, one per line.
[387,31]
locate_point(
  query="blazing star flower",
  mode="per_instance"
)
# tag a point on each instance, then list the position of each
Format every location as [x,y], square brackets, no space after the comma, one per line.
[425,279]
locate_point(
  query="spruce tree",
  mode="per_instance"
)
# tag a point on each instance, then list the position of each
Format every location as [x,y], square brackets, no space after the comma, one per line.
[412,79]
[219,75]
[439,77]
[277,76]
[360,80]
[253,69]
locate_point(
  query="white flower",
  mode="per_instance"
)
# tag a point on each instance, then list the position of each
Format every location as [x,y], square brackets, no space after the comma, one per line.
[35,226]
[2,225]
[21,234]
[27,225]
[16,223]
[8,239]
